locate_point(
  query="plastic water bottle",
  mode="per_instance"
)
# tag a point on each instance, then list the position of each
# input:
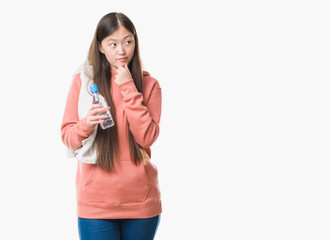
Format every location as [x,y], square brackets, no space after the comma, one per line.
[99,99]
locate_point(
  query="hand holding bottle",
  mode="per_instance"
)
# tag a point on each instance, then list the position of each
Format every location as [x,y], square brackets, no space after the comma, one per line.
[95,116]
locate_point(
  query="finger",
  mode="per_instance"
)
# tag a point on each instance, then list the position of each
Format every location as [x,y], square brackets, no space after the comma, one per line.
[120,69]
[95,120]
[102,110]
[99,116]
[98,110]
[94,123]
[126,66]
[95,106]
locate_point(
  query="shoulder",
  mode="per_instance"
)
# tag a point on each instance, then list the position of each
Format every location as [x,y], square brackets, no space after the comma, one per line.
[76,82]
[75,86]
[151,86]
[149,82]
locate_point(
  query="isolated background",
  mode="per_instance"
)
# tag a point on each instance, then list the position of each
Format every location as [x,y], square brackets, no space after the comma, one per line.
[244,146]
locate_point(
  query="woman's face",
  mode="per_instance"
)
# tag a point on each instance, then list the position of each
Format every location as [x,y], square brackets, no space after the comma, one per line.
[118,47]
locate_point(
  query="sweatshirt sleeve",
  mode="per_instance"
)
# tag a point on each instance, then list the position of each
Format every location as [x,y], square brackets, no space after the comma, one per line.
[143,114]
[73,130]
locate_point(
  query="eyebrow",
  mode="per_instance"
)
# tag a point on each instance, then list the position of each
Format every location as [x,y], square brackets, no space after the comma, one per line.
[112,39]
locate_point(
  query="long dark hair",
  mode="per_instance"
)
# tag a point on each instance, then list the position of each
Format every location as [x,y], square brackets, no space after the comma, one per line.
[107,139]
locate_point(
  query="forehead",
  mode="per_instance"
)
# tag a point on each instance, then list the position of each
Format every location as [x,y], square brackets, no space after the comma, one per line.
[119,34]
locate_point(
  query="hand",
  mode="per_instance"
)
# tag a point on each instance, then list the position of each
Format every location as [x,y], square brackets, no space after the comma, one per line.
[93,118]
[123,75]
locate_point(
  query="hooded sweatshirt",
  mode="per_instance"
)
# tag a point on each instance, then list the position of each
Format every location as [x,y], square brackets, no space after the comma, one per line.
[129,191]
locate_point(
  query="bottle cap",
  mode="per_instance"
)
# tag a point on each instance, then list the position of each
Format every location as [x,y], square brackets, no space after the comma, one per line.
[93,88]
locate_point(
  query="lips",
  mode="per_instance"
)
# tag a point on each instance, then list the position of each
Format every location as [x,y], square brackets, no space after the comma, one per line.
[123,59]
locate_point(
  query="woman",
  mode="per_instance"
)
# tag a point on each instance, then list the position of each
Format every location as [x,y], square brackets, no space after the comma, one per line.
[117,186]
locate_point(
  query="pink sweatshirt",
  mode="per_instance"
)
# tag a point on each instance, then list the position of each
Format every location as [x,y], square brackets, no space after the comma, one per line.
[130,191]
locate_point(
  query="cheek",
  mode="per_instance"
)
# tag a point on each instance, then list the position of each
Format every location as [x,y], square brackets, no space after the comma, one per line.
[131,52]
[110,56]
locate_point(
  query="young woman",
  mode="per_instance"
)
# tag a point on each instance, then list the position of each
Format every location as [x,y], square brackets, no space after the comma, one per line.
[117,186]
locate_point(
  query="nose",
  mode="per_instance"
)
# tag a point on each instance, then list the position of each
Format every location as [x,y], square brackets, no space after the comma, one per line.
[121,49]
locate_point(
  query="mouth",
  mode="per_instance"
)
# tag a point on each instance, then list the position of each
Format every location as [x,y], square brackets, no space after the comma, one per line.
[123,59]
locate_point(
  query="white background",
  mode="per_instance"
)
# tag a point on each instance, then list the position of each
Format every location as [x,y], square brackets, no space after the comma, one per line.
[244,146]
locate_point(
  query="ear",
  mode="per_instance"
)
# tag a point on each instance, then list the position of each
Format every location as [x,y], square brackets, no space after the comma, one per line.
[100,47]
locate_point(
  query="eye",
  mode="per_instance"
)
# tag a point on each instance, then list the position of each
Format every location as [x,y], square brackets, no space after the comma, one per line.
[112,45]
[128,42]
